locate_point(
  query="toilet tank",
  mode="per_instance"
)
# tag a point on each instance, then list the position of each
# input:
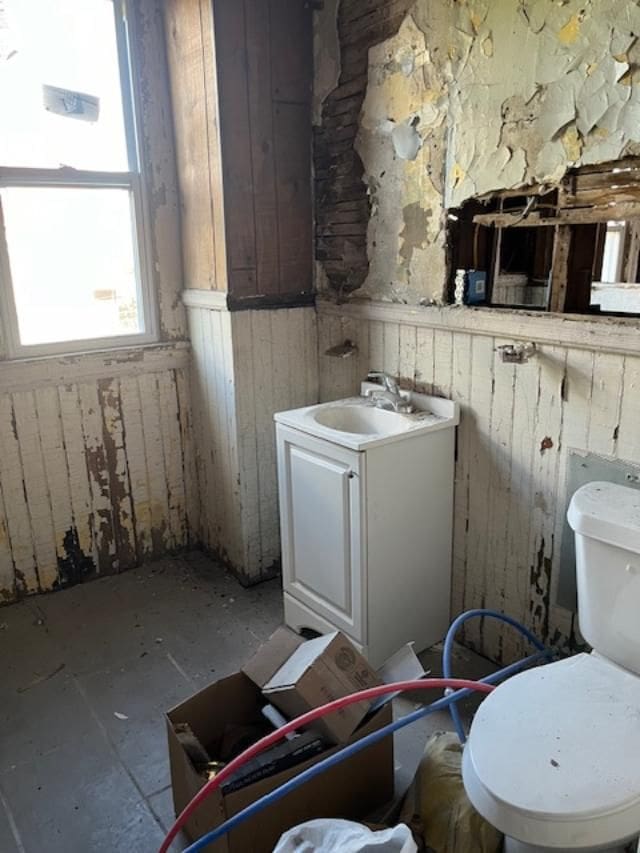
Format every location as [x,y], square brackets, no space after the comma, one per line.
[606,522]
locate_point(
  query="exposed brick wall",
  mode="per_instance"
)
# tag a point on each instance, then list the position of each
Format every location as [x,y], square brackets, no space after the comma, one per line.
[342,204]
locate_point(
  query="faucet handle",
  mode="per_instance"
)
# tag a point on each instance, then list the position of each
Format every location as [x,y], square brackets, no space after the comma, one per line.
[388,382]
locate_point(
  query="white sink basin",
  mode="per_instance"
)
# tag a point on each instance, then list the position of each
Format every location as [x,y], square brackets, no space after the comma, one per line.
[357,424]
[362,420]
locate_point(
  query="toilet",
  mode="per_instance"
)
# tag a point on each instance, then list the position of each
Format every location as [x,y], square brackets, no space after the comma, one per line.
[553,755]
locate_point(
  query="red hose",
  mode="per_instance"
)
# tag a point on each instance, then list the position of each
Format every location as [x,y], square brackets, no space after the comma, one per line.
[305,719]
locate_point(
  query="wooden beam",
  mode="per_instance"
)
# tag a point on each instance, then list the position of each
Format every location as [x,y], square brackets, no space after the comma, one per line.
[560,268]
[565,216]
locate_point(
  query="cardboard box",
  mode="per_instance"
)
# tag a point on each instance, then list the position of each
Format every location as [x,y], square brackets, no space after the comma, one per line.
[351,790]
[316,672]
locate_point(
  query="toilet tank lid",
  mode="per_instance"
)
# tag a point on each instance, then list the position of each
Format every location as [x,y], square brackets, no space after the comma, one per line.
[607,512]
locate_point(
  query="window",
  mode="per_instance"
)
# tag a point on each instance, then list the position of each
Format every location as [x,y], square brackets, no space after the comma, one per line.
[73,271]
[574,249]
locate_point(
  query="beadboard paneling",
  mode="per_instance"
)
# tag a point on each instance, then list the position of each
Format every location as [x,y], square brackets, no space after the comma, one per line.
[247,365]
[518,423]
[96,476]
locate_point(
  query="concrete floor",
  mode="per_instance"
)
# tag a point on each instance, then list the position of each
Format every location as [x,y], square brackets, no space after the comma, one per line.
[85,677]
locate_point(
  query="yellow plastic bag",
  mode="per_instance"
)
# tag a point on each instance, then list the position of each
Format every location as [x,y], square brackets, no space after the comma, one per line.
[436,807]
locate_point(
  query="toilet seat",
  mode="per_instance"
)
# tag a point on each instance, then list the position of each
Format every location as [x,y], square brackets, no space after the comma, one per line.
[553,756]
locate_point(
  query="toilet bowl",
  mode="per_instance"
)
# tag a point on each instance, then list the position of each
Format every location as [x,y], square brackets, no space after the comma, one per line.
[553,755]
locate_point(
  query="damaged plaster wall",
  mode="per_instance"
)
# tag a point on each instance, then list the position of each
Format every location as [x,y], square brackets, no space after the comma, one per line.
[342,204]
[401,143]
[326,55]
[558,87]
[469,97]
[464,98]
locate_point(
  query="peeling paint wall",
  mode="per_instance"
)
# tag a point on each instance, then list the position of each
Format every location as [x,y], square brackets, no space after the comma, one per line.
[571,96]
[96,470]
[467,97]
[462,98]
[518,423]
[95,459]
[342,204]
[247,365]
[401,143]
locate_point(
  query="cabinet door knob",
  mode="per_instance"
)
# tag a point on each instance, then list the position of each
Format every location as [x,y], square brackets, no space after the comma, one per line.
[351,474]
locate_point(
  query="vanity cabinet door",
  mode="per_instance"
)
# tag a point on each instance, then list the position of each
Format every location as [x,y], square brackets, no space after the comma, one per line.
[321,494]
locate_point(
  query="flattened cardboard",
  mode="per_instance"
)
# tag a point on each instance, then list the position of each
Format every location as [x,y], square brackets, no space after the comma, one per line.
[351,790]
[404,665]
[319,671]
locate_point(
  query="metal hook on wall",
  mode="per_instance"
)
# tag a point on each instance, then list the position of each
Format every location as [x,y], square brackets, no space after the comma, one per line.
[518,353]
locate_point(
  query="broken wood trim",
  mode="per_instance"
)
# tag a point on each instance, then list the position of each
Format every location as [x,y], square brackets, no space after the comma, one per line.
[597,334]
[567,216]
[28,374]
[214,300]
[218,301]
[271,302]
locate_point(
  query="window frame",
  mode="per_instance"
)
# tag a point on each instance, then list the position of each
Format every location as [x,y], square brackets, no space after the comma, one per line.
[134,181]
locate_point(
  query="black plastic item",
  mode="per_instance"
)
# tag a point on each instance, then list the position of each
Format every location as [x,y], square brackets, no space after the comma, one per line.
[281,757]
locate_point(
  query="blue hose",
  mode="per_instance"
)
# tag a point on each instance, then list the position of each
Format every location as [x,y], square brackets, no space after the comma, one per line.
[448,701]
[347,752]
[448,648]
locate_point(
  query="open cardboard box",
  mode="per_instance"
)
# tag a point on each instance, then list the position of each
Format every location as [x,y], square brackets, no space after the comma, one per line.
[352,789]
[313,673]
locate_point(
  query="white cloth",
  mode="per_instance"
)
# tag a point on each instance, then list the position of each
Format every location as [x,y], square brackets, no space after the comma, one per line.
[328,835]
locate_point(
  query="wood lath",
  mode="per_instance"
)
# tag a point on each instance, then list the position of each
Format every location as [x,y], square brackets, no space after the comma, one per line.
[610,191]
[342,204]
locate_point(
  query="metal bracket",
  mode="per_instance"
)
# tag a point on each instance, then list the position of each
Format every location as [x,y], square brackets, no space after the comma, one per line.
[517,353]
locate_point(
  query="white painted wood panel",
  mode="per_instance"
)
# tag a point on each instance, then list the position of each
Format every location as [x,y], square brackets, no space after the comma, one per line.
[516,569]
[248,437]
[460,392]
[629,435]
[321,511]
[376,343]
[264,408]
[35,487]
[500,463]
[517,426]
[247,365]
[84,490]
[545,469]
[77,472]
[424,360]
[477,565]
[173,453]
[55,464]
[118,481]
[17,520]
[131,403]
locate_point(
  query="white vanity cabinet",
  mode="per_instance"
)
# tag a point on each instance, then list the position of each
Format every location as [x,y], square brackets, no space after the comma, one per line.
[366,526]
[322,527]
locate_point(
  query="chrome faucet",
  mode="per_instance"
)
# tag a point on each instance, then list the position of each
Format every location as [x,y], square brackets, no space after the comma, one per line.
[388,396]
